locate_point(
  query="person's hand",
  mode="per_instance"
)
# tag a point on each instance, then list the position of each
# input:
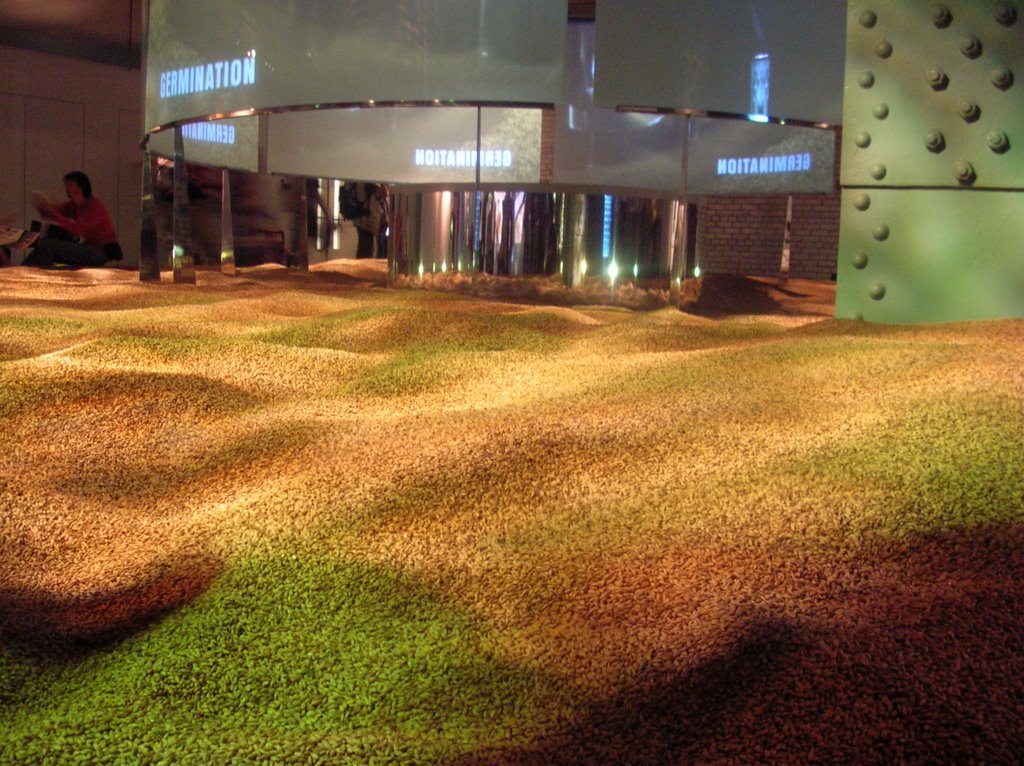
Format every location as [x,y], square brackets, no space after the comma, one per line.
[43,204]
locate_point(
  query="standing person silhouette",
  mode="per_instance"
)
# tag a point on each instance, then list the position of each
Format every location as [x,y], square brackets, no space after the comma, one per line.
[360,203]
[85,236]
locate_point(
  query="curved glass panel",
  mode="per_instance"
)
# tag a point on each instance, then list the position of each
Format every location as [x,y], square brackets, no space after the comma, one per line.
[744,157]
[228,56]
[408,145]
[228,143]
[784,58]
[606,149]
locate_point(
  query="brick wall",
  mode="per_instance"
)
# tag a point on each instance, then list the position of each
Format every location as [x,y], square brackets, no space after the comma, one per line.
[745,234]
[547,145]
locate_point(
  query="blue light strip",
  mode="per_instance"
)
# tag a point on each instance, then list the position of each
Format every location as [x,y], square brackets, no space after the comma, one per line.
[606,237]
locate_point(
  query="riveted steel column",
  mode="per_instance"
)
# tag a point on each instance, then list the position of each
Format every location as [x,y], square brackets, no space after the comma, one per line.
[932,209]
[182,264]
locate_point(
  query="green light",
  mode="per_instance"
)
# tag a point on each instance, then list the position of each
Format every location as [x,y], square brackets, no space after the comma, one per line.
[613,271]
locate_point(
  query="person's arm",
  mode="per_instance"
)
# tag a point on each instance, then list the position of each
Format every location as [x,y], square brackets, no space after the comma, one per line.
[59,214]
[44,205]
[92,223]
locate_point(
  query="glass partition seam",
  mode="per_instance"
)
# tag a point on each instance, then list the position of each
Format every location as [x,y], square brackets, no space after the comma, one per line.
[349,106]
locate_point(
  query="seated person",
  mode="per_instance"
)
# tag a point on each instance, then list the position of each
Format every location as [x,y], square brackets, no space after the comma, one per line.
[88,237]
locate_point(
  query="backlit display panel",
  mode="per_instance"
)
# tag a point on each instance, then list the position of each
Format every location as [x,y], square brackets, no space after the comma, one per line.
[223,57]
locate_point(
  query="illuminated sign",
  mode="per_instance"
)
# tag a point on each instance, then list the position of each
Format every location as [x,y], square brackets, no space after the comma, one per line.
[212,132]
[205,77]
[745,157]
[782,163]
[229,143]
[462,158]
[408,145]
[760,84]
[208,58]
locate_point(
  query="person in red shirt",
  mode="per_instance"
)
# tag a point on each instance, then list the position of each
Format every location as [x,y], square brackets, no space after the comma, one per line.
[86,234]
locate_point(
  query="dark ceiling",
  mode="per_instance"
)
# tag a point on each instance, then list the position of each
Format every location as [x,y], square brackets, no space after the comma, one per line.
[581,9]
[107,31]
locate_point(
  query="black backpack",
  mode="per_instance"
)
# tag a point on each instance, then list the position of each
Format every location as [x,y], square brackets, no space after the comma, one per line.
[349,204]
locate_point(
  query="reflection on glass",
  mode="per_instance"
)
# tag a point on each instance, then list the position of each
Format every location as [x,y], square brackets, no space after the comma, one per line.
[624,240]
[760,76]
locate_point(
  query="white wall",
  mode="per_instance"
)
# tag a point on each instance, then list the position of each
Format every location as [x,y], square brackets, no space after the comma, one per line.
[59,114]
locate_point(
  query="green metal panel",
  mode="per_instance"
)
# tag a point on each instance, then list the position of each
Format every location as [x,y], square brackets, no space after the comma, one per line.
[932,221]
[938,255]
[934,94]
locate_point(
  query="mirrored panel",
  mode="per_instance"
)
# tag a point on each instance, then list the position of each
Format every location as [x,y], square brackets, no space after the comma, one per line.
[408,145]
[607,149]
[744,157]
[228,143]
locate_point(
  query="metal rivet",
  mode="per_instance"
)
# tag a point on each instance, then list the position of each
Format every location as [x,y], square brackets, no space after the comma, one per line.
[884,49]
[878,171]
[881,110]
[1005,14]
[970,46]
[935,141]
[862,201]
[969,111]
[941,16]
[964,172]
[937,79]
[881,232]
[1002,77]
[868,19]
[859,259]
[998,141]
[862,139]
[877,291]
[866,79]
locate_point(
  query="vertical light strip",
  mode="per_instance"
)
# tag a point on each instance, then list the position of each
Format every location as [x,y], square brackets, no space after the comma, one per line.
[606,231]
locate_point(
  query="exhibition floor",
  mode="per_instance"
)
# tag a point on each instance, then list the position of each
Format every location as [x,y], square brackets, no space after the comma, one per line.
[305,518]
